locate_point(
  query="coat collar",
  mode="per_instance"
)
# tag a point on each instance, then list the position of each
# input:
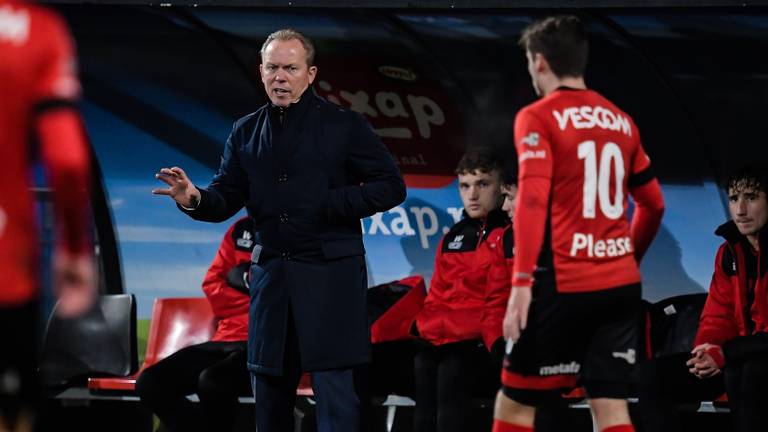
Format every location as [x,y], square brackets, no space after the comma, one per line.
[294,110]
[731,234]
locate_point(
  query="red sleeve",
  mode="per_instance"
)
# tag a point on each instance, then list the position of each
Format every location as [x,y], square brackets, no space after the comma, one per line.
[497,291]
[224,299]
[649,209]
[59,130]
[437,284]
[649,202]
[534,184]
[57,71]
[718,322]
[65,154]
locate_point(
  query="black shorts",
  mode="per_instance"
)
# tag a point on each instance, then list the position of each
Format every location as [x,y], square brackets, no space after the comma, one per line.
[18,363]
[590,339]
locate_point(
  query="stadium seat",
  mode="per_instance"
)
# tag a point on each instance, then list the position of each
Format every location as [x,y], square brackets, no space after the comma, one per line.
[674,322]
[102,342]
[176,323]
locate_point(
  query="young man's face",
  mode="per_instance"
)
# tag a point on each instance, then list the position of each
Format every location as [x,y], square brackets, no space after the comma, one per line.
[480,192]
[509,195]
[284,71]
[749,209]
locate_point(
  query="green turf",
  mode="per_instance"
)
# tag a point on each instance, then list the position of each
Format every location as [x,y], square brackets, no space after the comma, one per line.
[142,331]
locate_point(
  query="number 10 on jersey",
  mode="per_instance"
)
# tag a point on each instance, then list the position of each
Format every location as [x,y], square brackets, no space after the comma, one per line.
[597,180]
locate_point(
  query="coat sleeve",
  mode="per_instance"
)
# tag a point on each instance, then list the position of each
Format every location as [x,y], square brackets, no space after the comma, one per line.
[496,293]
[228,191]
[718,322]
[378,184]
[225,300]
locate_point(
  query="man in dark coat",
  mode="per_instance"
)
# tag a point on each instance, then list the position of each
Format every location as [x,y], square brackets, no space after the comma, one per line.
[307,171]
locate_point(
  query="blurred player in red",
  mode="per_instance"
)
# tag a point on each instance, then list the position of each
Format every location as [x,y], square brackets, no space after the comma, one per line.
[38,90]
[575,301]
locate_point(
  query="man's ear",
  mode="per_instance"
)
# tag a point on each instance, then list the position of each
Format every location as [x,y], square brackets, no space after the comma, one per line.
[540,63]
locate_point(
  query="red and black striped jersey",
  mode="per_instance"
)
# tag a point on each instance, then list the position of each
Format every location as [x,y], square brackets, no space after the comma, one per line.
[579,157]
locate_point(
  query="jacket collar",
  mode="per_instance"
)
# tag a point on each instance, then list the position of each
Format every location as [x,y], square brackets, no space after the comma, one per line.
[731,234]
[495,218]
[294,109]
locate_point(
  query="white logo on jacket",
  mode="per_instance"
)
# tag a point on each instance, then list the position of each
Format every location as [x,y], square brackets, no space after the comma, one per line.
[456,243]
[246,240]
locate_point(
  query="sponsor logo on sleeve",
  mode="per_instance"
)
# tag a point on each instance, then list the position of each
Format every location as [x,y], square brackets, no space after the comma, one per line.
[531,140]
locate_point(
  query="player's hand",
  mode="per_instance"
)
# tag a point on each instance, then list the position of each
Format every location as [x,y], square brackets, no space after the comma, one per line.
[701,363]
[516,317]
[181,188]
[74,282]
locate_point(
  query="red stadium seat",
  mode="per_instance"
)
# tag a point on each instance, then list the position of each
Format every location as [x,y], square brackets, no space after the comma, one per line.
[176,323]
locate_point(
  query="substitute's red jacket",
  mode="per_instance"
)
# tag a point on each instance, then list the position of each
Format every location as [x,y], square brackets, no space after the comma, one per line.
[456,303]
[740,274]
[230,306]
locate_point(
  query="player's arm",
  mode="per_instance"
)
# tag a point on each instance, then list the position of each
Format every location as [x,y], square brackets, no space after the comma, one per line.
[534,186]
[64,152]
[717,323]
[649,202]
[497,286]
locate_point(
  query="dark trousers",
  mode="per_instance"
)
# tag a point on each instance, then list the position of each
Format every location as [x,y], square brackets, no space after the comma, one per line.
[447,378]
[665,385]
[19,392]
[215,371]
[746,382]
[338,394]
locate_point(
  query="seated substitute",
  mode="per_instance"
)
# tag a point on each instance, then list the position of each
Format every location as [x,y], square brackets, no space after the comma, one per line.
[214,370]
[731,347]
[459,356]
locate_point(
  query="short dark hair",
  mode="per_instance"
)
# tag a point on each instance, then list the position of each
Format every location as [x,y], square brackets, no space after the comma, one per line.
[748,177]
[481,158]
[290,34]
[562,40]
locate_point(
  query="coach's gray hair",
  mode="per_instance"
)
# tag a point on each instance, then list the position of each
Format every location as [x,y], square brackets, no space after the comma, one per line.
[290,34]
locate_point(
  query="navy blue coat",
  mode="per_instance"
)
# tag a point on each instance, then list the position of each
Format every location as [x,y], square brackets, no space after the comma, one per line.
[306,174]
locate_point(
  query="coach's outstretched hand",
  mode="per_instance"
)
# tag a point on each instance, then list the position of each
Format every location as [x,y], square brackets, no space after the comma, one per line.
[181,189]
[516,317]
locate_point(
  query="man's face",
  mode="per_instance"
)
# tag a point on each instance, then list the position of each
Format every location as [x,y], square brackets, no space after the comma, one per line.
[749,209]
[509,194]
[532,70]
[480,192]
[284,71]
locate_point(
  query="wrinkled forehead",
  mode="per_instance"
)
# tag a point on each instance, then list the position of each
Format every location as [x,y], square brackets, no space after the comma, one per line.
[285,51]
